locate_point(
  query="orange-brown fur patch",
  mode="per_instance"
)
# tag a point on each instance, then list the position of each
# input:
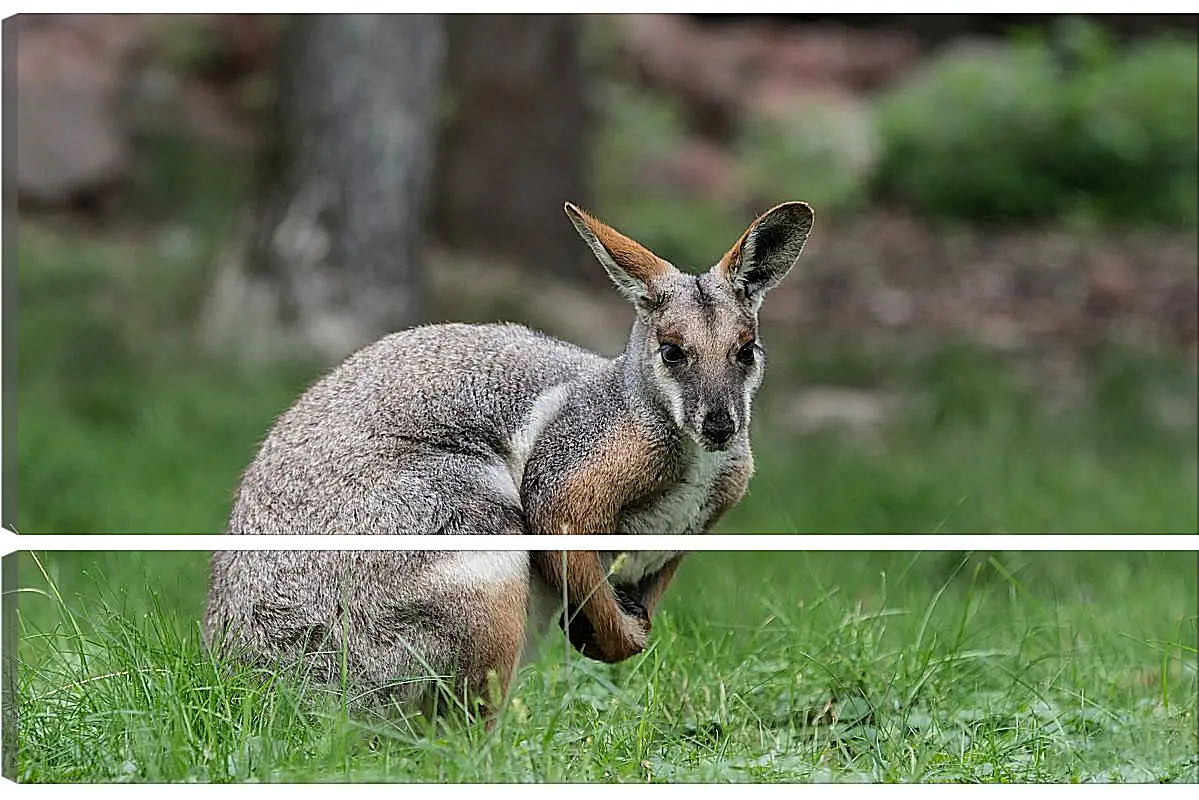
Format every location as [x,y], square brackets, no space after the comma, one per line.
[733,257]
[672,334]
[631,256]
[588,592]
[497,633]
[624,469]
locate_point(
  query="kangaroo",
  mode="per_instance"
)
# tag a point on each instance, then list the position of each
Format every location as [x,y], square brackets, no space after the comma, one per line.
[497,429]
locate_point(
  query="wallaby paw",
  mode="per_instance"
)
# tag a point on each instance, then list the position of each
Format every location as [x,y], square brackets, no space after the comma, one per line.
[633,640]
[583,637]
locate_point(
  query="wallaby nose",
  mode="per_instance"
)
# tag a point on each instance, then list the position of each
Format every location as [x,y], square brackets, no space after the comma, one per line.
[718,427]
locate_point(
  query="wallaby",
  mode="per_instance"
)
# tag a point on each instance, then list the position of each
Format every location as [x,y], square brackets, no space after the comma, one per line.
[497,429]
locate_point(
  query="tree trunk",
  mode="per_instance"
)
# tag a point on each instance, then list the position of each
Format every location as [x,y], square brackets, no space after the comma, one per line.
[514,147]
[333,259]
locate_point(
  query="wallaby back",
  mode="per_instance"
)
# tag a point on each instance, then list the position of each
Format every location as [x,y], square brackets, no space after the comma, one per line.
[425,431]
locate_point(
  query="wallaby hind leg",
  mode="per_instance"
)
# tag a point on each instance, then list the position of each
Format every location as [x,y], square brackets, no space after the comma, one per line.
[498,636]
[405,628]
[487,619]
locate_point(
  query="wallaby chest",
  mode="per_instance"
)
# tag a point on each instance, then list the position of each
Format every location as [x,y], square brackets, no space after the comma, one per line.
[684,505]
[683,508]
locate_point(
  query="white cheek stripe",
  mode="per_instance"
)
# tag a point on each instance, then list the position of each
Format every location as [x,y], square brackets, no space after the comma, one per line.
[675,398]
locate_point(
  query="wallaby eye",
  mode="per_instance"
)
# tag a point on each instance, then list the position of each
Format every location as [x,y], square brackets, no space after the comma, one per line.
[672,353]
[748,353]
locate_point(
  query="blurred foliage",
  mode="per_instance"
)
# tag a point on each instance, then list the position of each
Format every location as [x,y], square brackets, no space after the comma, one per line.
[126,422]
[185,47]
[638,128]
[1046,127]
[180,180]
[825,151]
[1060,125]
[1137,145]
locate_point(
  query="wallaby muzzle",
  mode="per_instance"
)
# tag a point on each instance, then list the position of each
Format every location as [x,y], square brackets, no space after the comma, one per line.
[718,429]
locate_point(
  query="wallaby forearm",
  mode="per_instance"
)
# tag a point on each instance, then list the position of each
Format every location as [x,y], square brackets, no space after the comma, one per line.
[586,586]
[586,498]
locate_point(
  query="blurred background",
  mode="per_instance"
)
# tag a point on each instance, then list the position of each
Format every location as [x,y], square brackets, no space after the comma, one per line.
[993,328]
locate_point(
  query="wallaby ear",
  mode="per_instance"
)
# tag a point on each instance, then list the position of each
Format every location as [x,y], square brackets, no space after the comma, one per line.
[767,251]
[632,267]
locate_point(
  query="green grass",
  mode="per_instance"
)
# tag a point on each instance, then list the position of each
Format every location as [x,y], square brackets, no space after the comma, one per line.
[1000,667]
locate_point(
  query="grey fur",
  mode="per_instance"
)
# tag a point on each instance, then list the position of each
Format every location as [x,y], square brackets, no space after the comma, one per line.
[421,433]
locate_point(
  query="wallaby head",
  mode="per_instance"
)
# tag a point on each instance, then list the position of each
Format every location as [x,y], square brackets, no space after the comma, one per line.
[694,347]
